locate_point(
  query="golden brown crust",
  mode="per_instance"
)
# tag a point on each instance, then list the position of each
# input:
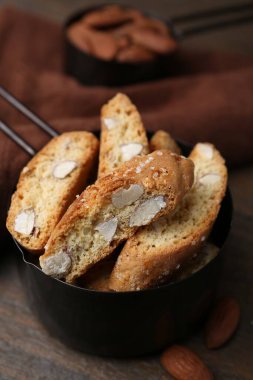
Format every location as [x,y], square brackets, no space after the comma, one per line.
[121,124]
[47,196]
[163,140]
[155,252]
[159,174]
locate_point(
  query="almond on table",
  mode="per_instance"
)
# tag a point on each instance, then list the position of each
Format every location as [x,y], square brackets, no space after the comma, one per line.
[48,185]
[222,322]
[184,364]
[110,211]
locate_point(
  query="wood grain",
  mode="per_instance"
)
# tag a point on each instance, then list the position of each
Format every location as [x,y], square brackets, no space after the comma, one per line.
[26,349]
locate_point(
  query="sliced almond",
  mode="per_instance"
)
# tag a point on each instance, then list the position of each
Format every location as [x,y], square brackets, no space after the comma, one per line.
[110,122]
[130,150]
[205,150]
[64,168]
[144,213]
[125,197]
[210,179]
[57,265]
[25,221]
[107,229]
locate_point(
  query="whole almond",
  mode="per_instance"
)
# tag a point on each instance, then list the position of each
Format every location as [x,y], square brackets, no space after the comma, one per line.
[184,364]
[102,44]
[222,322]
[135,54]
[107,17]
[76,34]
[153,24]
[122,41]
[151,40]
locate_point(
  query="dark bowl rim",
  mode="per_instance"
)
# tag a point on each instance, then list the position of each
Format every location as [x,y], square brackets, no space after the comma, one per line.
[76,15]
[141,291]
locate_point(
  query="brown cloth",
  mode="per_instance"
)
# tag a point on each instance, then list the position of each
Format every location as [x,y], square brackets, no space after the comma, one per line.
[208,99]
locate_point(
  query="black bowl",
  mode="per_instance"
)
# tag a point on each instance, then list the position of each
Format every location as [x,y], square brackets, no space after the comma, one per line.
[93,71]
[128,323]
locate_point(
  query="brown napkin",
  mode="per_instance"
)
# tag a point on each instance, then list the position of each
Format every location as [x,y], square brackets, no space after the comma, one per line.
[208,99]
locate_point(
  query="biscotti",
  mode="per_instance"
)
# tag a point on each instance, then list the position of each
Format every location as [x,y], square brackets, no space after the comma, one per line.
[48,185]
[122,134]
[163,140]
[111,210]
[198,261]
[155,252]
[97,278]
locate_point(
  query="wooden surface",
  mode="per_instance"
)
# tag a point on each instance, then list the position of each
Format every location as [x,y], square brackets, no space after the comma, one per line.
[26,349]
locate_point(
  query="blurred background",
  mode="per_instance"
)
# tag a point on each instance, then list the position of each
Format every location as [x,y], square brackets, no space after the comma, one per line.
[236,39]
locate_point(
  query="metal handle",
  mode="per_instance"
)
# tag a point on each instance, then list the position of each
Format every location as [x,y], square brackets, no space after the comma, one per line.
[17,139]
[244,14]
[27,112]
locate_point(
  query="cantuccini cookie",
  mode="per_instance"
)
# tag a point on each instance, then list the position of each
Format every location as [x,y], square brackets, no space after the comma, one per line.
[122,134]
[48,185]
[163,140]
[97,277]
[111,210]
[155,252]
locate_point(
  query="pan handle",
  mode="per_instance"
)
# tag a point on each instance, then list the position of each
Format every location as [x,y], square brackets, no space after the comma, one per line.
[214,19]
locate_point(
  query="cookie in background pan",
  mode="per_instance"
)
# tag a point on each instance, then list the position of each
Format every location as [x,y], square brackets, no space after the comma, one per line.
[48,184]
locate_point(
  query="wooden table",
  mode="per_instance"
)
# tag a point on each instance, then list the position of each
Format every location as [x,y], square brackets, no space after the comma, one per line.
[26,349]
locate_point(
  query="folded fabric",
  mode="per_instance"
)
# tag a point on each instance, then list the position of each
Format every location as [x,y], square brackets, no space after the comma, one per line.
[209,97]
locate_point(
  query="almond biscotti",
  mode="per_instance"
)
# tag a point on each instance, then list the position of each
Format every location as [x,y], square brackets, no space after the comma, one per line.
[111,210]
[122,134]
[198,261]
[97,278]
[163,140]
[48,185]
[155,252]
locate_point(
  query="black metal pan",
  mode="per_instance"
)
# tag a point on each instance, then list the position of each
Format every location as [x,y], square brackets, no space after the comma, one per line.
[122,324]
